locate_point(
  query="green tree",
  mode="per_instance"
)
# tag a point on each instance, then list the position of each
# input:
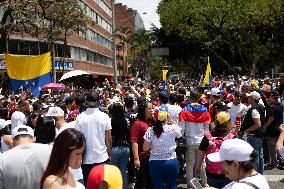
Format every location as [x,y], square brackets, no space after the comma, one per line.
[48,20]
[245,33]
[140,43]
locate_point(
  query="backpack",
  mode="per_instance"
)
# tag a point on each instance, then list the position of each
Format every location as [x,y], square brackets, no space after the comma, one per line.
[214,146]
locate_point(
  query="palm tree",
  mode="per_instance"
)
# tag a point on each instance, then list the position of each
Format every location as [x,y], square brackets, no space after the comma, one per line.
[122,35]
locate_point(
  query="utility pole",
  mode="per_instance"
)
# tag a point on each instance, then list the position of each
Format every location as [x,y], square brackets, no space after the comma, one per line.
[114,46]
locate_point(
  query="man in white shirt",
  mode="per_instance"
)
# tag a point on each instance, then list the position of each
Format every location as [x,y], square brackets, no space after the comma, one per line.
[23,165]
[96,126]
[19,117]
[252,124]
[173,108]
[194,119]
[237,109]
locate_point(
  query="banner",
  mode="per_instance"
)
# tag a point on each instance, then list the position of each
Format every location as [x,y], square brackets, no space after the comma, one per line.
[28,71]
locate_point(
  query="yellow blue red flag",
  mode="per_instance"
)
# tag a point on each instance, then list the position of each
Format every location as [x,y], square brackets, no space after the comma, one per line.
[28,71]
[208,77]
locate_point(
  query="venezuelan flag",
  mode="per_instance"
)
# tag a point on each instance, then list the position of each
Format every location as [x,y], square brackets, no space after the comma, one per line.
[208,77]
[195,113]
[29,71]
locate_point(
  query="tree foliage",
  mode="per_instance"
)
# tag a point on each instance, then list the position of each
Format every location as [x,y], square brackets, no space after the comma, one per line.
[140,43]
[245,33]
[49,20]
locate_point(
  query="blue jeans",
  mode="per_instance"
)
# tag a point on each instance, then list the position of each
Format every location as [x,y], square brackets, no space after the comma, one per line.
[120,156]
[256,143]
[164,173]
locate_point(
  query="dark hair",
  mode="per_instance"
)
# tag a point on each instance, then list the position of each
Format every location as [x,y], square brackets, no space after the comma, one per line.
[32,116]
[172,98]
[37,106]
[3,113]
[141,110]
[181,90]
[119,123]
[157,127]
[67,141]
[247,166]
[45,130]
[194,95]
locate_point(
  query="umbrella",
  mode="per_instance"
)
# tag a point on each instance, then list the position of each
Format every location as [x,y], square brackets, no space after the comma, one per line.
[73,74]
[52,86]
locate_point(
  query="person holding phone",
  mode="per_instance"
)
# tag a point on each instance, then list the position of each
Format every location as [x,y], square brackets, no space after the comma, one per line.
[238,162]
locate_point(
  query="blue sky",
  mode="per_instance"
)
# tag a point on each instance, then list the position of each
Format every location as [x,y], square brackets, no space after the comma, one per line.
[147,6]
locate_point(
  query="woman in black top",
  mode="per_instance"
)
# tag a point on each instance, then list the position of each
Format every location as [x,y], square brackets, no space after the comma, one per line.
[211,143]
[120,139]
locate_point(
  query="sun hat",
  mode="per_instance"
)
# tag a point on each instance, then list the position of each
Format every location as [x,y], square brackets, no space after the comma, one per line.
[215,92]
[55,112]
[22,130]
[232,150]
[255,95]
[223,117]
[109,174]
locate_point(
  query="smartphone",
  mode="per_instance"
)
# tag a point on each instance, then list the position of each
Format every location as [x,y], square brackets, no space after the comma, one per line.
[195,183]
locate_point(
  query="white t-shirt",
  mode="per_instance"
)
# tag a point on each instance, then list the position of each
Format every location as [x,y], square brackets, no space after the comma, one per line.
[255,114]
[77,173]
[257,180]
[4,147]
[174,111]
[235,111]
[163,148]
[93,123]
[194,132]
[18,118]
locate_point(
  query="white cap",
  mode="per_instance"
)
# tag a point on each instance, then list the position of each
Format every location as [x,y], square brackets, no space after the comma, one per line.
[18,118]
[4,123]
[254,95]
[244,78]
[55,112]
[215,91]
[232,150]
[22,130]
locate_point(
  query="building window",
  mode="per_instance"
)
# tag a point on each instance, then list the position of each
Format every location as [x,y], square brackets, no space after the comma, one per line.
[87,55]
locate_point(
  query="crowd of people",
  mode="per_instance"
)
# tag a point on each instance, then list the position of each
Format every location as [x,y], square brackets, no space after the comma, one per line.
[143,135]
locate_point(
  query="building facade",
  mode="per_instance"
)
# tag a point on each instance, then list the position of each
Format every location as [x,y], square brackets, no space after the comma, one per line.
[90,51]
[127,22]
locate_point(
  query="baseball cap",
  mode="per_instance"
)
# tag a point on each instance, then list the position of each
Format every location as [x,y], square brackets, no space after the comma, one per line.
[232,150]
[105,173]
[223,117]
[255,95]
[4,123]
[92,97]
[215,91]
[55,112]
[22,130]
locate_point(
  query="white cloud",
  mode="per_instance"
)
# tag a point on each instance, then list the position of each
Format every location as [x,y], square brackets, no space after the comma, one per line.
[147,6]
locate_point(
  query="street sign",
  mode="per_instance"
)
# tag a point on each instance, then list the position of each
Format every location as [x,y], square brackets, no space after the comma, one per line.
[64,65]
[160,52]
